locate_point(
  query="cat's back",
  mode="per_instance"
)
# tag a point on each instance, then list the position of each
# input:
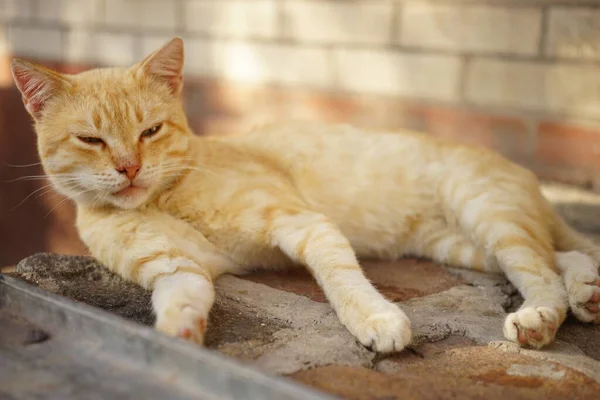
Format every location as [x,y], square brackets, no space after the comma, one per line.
[338,147]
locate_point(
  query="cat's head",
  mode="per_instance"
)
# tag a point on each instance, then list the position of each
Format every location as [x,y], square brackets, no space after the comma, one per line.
[110,136]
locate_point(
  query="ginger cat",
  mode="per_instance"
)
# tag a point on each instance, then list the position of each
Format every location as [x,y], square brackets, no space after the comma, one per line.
[173,211]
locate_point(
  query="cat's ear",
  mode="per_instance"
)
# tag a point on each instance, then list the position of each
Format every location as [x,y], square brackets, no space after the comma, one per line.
[166,64]
[36,84]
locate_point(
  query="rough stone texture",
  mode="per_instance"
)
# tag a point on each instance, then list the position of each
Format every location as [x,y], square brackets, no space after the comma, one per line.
[279,322]
[83,279]
[454,370]
[397,280]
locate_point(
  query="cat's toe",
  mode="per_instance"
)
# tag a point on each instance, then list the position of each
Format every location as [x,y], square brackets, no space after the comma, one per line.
[584,299]
[532,326]
[185,322]
[385,332]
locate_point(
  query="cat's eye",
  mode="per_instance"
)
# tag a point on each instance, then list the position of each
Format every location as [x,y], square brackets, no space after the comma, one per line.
[90,140]
[152,131]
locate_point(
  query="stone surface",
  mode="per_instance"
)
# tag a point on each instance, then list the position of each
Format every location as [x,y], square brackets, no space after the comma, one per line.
[397,280]
[460,371]
[83,279]
[280,323]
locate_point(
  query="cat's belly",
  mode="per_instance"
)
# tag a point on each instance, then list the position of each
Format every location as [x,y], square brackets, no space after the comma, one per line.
[379,239]
[247,247]
[382,227]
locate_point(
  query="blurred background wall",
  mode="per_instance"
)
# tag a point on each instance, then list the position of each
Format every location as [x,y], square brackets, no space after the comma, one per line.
[519,76]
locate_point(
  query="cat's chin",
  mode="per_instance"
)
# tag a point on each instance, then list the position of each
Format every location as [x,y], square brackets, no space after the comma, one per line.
[130,197]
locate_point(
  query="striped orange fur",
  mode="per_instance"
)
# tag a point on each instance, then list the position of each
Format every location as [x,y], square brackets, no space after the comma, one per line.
[172,211]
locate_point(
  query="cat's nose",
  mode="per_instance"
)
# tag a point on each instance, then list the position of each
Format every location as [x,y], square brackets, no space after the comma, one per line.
[131,171]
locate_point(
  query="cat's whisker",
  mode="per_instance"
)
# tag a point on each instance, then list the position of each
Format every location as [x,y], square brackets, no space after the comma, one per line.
[40,177]
[53,208]
[31,194]
[23,166]
[67,198]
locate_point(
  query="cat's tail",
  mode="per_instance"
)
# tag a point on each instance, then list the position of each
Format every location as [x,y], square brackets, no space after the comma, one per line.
[568,239]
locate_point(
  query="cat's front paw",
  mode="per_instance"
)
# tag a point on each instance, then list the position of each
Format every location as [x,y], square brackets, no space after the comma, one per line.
[384,332]
[532,326]
[186,322]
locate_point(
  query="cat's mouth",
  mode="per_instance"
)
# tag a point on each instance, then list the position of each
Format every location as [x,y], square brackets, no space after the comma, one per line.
[130,191]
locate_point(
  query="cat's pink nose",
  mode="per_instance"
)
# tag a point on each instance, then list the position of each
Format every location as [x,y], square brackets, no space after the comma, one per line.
[131,171]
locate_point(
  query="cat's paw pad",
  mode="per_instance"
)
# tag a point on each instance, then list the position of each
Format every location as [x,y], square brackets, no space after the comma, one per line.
[532,326]
[584,298]
[185,322]
[386,331]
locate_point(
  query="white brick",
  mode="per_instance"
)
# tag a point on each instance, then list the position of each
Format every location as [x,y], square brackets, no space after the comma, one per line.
[399,74]
[10,9]
[261,63]
[142,13]
[471,28]
[108,49]
[574,33]
[233,18]
[69,11]
[36,42]
[573,89]
[338,22]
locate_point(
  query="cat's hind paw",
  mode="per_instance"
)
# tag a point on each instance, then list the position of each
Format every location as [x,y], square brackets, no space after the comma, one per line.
[385,332]
[584,298]
[532,326]
[580,273]
[186,322]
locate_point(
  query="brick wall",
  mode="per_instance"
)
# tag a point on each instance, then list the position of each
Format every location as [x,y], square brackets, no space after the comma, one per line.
[521,76]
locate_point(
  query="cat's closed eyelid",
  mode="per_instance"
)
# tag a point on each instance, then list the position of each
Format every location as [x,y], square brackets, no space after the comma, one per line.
[148,133]
[90,140]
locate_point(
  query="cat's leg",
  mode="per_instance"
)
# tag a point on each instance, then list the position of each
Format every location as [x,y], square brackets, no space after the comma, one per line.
[310,239]
[503,212]
[524,252]
[578,262]
[164,255]
[530,268]
[182,300]
[434,239]
[580,273]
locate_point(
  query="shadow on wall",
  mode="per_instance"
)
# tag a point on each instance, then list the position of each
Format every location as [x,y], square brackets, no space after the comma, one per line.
[33,217]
